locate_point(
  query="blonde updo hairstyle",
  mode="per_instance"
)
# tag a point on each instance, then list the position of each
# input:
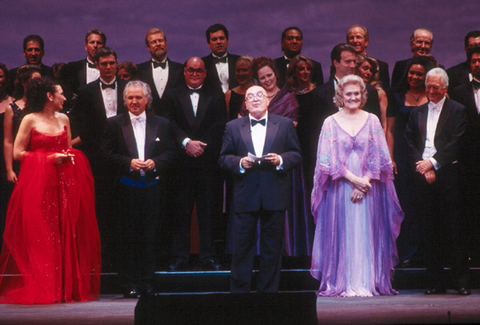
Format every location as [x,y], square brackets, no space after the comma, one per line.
[350,80]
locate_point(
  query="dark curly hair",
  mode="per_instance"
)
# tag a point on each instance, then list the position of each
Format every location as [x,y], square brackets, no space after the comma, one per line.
[36,92]
[23,75]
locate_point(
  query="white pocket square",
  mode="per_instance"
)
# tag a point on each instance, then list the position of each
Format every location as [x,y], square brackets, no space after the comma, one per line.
[157,140]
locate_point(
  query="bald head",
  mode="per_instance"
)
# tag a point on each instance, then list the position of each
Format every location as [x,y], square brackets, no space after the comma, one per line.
[194,72]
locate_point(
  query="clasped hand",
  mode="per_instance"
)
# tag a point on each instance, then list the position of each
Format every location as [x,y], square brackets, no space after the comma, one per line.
[361,186]
[195,148]
[60,158]
[271,158]
[138,164]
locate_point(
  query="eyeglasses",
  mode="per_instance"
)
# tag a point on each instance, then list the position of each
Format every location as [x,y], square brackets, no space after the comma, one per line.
[251,96]
[192,71]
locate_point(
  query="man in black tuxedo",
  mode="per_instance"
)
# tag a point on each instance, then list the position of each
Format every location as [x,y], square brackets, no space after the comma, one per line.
[292,43]
[434,133]
[421,43]
[97,101]
[198,117]
[140,148]
[261,189]
[461,74]
[33,51]
[84,71]
[468,94]
[220,64]
[343,58]
[358,37]
[160,73]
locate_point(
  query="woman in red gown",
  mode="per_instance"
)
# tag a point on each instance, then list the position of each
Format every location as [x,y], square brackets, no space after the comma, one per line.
[51,249]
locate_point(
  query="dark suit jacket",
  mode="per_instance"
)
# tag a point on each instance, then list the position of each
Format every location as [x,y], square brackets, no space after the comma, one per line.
[207,126]
[281,65]
[212,81]
[91,113]
[120,148]
[78,73]
[458,75]
[448,136]
[327,91]
[262,186]
[384,76]
[175,79]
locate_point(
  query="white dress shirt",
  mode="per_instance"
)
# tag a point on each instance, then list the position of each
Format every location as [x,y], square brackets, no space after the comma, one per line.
[139,124]
[434,111]
[194,98]
[109,96]
[222,71]
[160,77]
[92,73]
[476,94]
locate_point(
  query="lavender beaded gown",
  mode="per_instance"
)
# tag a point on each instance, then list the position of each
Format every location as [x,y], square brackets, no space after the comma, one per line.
[354,248]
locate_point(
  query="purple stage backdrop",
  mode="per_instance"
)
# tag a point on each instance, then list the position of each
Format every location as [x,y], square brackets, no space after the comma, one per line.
[255,26]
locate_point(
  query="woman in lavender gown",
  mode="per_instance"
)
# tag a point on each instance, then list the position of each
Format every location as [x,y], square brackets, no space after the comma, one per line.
[354,203]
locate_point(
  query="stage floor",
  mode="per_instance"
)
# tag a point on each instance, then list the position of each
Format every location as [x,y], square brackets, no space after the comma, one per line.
[409,307]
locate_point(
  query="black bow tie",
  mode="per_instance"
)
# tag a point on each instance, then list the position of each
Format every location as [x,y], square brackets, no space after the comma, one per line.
[220,60]
[91,65]
[105,86]
[193,91]
[156,64]
[255,122]
[476,84]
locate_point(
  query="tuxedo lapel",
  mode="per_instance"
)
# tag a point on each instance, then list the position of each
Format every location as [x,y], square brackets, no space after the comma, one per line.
[82,73]
[186,104]
[246,134]
[203,103]
[444,117]
[231,72]
[422,122]
[99,105]
[150,137]
[272,128]
[129,136]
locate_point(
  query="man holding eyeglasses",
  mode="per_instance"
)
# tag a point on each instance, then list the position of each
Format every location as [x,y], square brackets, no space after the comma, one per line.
[198,115]
[259,149]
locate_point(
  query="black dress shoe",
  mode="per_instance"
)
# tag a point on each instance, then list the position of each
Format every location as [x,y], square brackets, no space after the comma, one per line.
[131,294]
[211,264]
[464,292]
[436,291]
[177,266]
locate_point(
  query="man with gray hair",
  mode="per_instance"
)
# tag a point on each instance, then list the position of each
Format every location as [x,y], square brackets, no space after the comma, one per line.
[421,42]
[434,134]
[139,148]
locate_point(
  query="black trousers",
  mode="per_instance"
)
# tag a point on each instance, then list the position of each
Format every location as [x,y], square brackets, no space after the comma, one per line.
[272,225]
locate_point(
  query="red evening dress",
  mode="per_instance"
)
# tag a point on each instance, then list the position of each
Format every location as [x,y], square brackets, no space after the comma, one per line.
[51,249]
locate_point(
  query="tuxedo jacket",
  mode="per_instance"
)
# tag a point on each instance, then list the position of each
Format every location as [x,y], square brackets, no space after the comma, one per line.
[326,92]
[450,129]
[281,65]
[91,112]
[120,147]
[458,75]
[207,126]
[78,72]
[175,79]
[212,80]
[384,76]
[262,186]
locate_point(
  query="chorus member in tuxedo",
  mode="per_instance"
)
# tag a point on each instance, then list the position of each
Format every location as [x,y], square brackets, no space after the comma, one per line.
[355,207]
[97,101]
[421,42]
[220,64]
[368,69]
[127,71]
[85,71]
[160,73]
[292,44]
[402,101]
[434,133]
[358,37]
[235,97]
[461,73]
[33,51]
[343,57]
[198,115]
[261,190]
[5,101]
[468,94]
[140,148]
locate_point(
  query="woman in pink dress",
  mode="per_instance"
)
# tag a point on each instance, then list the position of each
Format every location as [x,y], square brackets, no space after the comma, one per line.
[354,203]
[51,248]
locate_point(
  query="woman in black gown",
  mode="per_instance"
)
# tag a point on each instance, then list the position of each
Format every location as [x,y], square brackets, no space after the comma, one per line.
[244,76]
